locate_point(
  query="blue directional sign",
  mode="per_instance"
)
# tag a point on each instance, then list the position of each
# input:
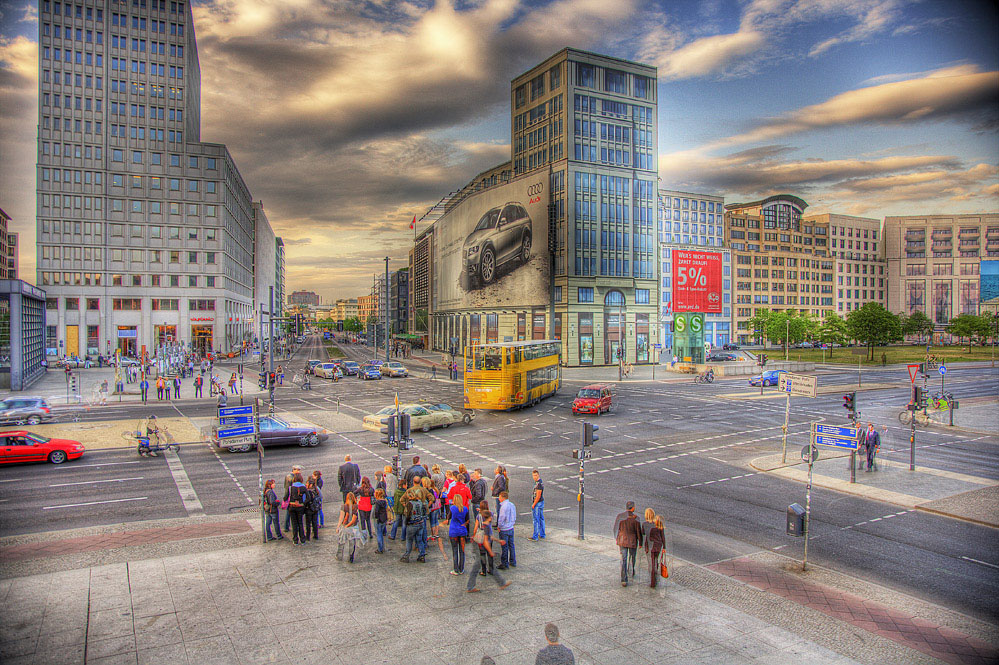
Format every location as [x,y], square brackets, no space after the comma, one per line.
[227,411]
[236,420]
[833,442]
[835,430]
[230,432]
[943,369]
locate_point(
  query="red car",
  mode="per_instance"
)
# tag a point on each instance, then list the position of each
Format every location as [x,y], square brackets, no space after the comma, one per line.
[22,446]
[594,398]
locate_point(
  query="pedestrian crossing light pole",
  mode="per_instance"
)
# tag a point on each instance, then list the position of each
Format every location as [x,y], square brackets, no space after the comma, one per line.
[583,454]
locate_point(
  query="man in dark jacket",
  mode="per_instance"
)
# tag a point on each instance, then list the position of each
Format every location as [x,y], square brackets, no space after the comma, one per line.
[478,489]
[415,471]
[872,440]
[349,477]
[628,533]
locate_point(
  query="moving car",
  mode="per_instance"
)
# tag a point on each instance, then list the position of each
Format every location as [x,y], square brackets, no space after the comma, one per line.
[325,370]
[350,367]
[458,416]
[730,347]
[311,367]
[370,372]
[596,398]
[393,368]
[770,377]
[74,362]
[22,446]
[422,417]
[722,357]
[276,431]
[502,236]
[31,410]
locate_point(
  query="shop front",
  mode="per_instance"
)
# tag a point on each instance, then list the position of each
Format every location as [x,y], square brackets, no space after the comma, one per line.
[128,339]
[202,336]
[166,335]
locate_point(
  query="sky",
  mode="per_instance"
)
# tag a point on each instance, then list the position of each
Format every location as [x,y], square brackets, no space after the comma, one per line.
[347,118]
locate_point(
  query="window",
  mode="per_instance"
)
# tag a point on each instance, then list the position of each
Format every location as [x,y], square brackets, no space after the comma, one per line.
[615,81]
[192,280]
[93,304]
[641,296]
[72,303]
[585,294]
[127,304]
[585,75]
[201,305]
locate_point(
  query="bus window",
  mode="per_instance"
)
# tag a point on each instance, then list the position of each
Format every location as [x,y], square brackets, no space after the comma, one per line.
[492,358]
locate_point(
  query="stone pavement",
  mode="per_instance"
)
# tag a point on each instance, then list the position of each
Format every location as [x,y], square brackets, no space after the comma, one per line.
[239,601]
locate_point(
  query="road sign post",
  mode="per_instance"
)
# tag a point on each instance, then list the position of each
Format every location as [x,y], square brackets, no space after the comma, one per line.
[812,455]
[943,373]
[260,462]
[792,384]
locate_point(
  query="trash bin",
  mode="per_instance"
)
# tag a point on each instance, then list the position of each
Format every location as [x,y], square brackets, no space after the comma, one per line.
[795,520]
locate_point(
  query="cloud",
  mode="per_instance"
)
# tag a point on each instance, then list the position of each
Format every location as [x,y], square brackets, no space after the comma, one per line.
[872,18]
[715,54]
[938,184]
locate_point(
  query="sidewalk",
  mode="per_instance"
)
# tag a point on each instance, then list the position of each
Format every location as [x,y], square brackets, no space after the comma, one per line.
[230,599]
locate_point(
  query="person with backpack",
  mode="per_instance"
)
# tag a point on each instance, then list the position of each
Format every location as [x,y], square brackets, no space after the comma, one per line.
[482,535]
[400,513]
[434,512]
[380,509]
[347,529]
[271,512]
[296,498]
[313,503]
[415,505]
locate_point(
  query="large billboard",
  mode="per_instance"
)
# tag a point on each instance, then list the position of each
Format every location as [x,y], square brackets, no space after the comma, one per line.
[989,283]
[491,250]
[697,281]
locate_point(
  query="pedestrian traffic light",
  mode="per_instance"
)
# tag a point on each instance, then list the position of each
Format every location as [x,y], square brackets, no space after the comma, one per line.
[850,404]
[405,430]
[262,380]
[271,380]
[388,430]
[918,398]
[589,434]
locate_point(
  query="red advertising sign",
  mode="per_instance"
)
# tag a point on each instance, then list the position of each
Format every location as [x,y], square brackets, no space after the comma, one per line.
[697,281]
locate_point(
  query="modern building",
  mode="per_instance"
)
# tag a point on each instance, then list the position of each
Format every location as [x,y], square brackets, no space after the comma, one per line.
[691,222]
[131,205]
[8,249]
[367,307]
[399,301]
[22,334]
[934,262]
[303,298]
[857,248]
[420,285]
[268,268]
[279,276]
[345,308]
[781,262]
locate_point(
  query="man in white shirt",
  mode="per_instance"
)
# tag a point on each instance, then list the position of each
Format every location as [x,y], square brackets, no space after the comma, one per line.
[507,520]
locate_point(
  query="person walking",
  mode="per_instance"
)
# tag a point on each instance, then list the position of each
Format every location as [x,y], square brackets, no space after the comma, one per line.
[500,484]
[872,440]
[288,480]
[434,513]
[506,521]
[199,381]
[232,383]
[160,384]
[478,491]
[314,501]
[381,518]
[318,475]
[271,511]
[655,542]
[348,477]
[103,392]
[884,359]
[280,375]
[457,533]
[538,507]
[143,389]
[628,535]
[176,387]
[483,564]
[400,517]
[433,372]
[296,498]
[364,497]
[554,653]
[347,529]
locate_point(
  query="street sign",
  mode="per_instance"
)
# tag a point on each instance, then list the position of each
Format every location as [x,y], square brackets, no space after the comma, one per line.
[657,346]
[835,442]
[943,369]
[913,371]
[809,451]
[797,384]
[228,411]
[240,441]
[236,420]
[230,432]
[836,430]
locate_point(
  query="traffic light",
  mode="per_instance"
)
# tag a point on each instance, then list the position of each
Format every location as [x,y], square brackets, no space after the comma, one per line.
[271,380]
[388,430]
[404,426]
[850,404]
[918,398]
[589,434]
[763,360]
[262,380]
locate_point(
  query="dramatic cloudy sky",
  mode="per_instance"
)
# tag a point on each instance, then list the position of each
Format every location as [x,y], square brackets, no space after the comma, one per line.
[348,117]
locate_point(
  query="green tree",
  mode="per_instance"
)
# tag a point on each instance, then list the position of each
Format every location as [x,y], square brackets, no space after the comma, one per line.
[759,324]
[353,324]
[917,324]
[971,327]
[832,330]
[873,325]
[786,327]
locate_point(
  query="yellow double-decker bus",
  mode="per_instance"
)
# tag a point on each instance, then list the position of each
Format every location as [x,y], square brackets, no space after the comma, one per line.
[511,375]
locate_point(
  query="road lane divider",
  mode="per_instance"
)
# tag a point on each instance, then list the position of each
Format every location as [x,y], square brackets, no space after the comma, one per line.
[192,504]
[94,503]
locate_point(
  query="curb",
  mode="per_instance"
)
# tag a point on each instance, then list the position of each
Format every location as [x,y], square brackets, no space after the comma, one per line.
[972,520]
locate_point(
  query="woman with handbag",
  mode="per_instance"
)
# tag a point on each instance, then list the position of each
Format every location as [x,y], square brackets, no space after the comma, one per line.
[347,528]
[654,545]
[295,497]
[457,532]
[271,511]
[364,496]
[482,536]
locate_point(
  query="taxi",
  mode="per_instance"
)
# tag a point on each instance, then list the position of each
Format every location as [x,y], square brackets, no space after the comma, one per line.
[596,398]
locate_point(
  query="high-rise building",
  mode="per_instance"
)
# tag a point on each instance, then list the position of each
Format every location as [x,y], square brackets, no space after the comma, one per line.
[421,284]
[399,301]
[279,277]
[857,247]
[303,298]
[693,222]
[8,249]
[934,262]
[781,262]
[131,205]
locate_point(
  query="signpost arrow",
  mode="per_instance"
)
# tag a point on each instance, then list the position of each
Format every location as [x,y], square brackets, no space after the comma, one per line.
[229,411]
[836,430]
[236,420]
[835,442]
[229,432]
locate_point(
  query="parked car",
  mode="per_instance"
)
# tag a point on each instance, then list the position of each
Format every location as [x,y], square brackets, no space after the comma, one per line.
[393,368]
[21,446]
[769,378]
[326,370]
[722,357]
[730,347]
[502,236]
[74,362]
[276,431]
[370,372]
[30,410]
[350,367]
[596,398]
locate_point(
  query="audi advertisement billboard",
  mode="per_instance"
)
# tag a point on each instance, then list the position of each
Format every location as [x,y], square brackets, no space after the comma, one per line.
[697,281]
[491,250]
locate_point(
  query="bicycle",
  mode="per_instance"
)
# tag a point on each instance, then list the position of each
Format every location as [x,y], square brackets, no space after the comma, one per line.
[705,377]
[941,401]
[147,444]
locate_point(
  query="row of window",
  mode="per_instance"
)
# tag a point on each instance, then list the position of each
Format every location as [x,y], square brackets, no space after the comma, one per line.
[96,279]
[607,107]
[848,232]
[70,10]
[615,81]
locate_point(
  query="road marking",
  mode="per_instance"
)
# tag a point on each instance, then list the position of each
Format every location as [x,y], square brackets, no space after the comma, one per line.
[716,459]
[79,466]
[192,504]
[94,503]
[990,565]
[671,471]
[94,482]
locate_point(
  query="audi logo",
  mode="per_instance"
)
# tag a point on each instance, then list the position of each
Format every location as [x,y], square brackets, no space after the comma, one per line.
[536,189]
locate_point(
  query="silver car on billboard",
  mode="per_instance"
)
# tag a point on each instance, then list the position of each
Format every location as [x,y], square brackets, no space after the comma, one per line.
[502,238]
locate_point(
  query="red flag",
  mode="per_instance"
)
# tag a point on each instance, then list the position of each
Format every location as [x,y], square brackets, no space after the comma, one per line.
[412,224]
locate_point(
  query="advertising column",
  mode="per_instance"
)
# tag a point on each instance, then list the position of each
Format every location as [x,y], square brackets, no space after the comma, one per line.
[697,290]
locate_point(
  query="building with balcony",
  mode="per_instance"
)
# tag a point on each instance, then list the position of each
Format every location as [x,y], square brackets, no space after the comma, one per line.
[8,249]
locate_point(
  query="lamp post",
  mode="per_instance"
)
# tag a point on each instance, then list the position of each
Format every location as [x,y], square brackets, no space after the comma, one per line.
[787,336]
[995,333]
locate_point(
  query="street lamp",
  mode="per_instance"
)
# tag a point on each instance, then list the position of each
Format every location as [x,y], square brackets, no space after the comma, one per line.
[995,333]
[787,336]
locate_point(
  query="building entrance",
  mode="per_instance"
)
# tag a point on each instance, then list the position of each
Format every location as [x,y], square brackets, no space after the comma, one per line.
[201,340]
[72,341]
[127,340]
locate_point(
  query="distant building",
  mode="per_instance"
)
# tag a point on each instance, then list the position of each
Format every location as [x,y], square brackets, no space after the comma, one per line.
[279,276]
[303,298]
[22,334]
[857,247]
[8,249]
[399,301]
[420,284]
[344,308]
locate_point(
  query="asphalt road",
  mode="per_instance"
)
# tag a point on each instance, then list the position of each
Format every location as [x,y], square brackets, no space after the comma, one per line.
[679,448]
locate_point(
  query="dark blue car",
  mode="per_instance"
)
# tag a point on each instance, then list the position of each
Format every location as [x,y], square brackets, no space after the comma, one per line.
[370,372]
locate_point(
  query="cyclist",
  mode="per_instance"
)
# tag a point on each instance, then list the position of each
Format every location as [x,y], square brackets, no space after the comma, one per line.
[223,400]
[152,429]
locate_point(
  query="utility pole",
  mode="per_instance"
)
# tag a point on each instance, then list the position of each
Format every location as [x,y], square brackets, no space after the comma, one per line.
[787,336]
[812,451]
[386,309]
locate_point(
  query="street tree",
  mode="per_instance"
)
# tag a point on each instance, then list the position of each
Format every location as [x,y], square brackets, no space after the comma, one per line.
[786,327]
[353,324]
[873,325]
[833,330]
[971,327]
[917,324]
[759,323]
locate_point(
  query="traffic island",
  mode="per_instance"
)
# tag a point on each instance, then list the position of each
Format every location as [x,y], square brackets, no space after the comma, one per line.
[105,434]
